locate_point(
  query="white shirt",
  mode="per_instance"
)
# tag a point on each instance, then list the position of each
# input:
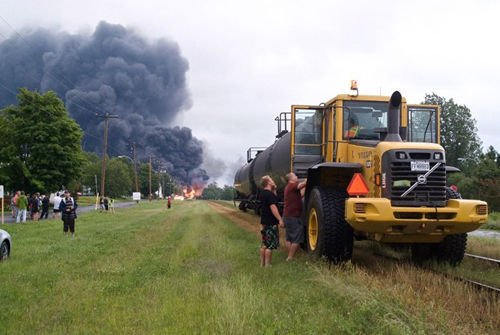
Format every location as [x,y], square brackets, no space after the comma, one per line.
[57,201]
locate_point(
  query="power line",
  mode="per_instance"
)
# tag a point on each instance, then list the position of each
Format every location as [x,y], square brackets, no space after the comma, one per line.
[8,89]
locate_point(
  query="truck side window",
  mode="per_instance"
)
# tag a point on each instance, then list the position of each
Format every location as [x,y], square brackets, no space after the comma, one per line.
[308,127]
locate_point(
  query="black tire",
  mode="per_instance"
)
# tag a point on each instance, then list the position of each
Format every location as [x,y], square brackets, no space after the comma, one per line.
[4,251]
[242,206]
[422,252]
[327,232]
[452,249]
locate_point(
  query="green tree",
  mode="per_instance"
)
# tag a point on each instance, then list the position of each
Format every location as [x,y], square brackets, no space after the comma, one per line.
[42,144]
[212,192]
[228,193]
[90,170]
[486,175]
[118,178]
[458,132]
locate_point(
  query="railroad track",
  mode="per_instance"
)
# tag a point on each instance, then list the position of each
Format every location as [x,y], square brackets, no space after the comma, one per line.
[472,283]
[482,258]
[478,284]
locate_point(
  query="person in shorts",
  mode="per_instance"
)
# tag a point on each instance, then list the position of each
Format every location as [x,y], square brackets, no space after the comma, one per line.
[292,214]
[57,202]
[270,220]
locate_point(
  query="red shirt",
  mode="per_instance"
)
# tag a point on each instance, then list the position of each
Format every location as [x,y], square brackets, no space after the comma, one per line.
[293,201]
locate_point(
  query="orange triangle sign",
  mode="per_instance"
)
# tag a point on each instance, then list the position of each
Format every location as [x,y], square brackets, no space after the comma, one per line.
[358,185]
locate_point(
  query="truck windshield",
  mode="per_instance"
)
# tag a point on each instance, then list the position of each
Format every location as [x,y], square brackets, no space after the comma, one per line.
[364,120]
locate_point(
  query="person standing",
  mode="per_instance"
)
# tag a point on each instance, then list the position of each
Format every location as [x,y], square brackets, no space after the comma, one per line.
[68,208]
[112,205]
[13,204]
[101,204]
[106,204]
[35,206]
[169,202]
[270,220]
[22,207]
[57,202]
[45,207]
[292,214]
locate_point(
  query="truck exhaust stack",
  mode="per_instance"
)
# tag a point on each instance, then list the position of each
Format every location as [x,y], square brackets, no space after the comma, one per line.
[393,118]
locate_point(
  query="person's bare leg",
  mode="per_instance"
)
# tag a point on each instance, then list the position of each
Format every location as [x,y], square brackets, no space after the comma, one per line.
[268,256]
[262,256]
[292,250]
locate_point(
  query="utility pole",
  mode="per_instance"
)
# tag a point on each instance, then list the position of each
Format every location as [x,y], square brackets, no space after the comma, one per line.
[150,195]
[135,168]
[106,117]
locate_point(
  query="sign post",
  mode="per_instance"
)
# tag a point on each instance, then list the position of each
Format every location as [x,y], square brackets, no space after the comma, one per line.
[1,196]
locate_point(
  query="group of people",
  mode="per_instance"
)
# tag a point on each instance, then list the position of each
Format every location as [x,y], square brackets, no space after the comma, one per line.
[106,204]
[35,207]
[38,207]
[271,218]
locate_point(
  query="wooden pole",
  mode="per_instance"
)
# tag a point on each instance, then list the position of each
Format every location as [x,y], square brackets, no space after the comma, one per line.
[135,168]
[150,162]
[104,151]
[106,117]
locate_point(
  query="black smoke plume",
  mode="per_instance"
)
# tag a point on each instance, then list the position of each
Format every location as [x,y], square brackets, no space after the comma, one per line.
[113,71]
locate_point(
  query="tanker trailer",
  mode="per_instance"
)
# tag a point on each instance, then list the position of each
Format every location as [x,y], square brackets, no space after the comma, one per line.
[245,187]
[375,170]
[273,161]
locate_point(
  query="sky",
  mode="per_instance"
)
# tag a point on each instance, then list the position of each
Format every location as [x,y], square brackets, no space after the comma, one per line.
[251,60]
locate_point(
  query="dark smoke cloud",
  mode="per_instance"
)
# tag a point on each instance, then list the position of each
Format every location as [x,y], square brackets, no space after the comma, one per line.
[114,71]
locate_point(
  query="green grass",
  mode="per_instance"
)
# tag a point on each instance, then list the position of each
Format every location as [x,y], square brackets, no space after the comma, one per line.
[493,221]
[188,270]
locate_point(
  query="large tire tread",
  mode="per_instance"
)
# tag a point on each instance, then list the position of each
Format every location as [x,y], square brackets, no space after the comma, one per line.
[452,249]
[335,233]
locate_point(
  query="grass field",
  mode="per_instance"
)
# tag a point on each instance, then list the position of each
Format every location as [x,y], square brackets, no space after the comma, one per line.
[189,270]
[493,221]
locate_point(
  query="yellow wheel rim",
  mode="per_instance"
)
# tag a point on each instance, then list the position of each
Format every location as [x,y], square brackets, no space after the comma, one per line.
[312,229]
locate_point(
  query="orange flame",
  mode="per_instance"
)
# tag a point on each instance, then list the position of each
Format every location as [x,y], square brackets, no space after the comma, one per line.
[190,192]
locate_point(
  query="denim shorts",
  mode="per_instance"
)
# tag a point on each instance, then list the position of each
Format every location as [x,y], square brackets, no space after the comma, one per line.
[294,229]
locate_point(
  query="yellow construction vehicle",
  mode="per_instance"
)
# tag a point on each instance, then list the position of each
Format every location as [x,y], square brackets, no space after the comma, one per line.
[375,170]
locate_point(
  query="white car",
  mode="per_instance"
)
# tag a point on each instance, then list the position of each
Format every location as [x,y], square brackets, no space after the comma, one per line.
[5,245]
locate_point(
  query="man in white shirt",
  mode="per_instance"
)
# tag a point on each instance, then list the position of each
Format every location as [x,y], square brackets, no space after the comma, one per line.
[57,202]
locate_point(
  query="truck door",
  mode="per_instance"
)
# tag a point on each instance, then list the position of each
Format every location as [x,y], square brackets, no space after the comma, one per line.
[423,123]
[308,138]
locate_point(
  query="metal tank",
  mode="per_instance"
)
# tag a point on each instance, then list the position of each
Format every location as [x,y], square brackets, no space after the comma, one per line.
[243,183]
[273,161]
